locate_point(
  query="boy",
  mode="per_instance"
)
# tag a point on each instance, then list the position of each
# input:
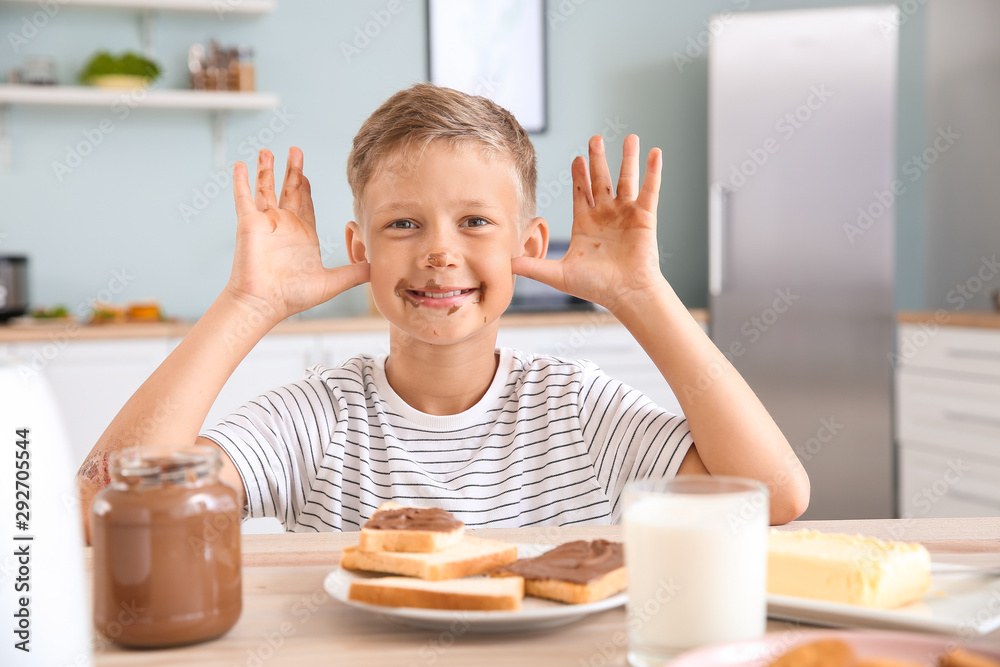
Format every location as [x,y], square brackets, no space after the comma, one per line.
[444,201]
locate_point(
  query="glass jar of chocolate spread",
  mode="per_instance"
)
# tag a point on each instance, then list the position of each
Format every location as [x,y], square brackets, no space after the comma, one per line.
[166,538]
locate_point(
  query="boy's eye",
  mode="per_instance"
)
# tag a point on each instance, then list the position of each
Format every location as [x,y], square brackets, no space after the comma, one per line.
[477,222]
[402,224]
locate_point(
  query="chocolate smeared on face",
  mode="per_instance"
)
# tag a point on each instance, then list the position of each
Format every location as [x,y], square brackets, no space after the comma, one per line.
[453,309]
[432,284]
[401,291]
[482,293]
[437,259]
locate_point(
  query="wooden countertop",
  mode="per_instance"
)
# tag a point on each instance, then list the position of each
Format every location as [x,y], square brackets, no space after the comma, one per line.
[16,333]
[979,319]
[289,619]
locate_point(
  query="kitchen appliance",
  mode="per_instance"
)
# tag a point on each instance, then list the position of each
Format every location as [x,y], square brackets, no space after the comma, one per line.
[13,286]
[802,109]
[45,586]
[531,296]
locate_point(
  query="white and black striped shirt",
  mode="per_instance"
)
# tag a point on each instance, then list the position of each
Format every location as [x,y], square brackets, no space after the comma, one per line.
[552,442]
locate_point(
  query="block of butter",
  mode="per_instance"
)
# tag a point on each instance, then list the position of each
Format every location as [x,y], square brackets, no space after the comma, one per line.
[850,569]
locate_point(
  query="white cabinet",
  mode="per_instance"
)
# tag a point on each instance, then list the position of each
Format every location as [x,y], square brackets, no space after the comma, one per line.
[335,348]
[948,421]
[610,346]
[275,361]
[91,379]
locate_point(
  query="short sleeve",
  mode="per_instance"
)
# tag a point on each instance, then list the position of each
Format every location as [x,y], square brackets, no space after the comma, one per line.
[628,436]
[276,441]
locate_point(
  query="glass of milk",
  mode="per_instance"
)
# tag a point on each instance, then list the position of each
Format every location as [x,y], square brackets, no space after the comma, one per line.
[696,553]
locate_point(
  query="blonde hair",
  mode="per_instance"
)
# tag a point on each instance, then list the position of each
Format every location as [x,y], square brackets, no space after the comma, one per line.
[411,119]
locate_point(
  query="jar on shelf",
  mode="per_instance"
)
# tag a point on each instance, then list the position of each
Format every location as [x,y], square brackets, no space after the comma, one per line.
[39,72]
[246,70]
[166,548]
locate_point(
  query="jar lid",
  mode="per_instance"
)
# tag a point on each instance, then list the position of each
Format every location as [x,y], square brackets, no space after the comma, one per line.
[164,463]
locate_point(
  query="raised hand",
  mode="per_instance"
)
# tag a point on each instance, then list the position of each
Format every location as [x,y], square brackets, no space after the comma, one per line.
[612,251]
[277,267]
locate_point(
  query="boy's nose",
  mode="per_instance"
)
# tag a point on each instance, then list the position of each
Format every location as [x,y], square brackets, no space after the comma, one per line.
[439,259]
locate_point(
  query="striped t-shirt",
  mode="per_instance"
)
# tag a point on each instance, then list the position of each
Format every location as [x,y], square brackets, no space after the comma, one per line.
[552,442]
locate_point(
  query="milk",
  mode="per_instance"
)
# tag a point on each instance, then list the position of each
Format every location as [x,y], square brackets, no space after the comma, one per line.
[697,568]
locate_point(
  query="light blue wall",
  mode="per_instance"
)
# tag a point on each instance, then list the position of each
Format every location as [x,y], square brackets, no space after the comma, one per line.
[611,70]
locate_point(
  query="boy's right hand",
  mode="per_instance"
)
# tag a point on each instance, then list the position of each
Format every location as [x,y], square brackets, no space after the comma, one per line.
[278,269]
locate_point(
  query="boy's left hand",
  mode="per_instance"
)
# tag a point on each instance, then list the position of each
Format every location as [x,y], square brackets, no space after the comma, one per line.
[612,253]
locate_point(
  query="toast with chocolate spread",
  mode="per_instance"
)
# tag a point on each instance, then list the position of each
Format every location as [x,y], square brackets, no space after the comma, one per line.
[574,572]
[410,529]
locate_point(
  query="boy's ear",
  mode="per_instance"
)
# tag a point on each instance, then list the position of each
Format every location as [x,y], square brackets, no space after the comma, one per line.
[357,252]
[535,239]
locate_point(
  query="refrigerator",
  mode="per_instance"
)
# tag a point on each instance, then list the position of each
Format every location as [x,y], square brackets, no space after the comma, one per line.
[802,189]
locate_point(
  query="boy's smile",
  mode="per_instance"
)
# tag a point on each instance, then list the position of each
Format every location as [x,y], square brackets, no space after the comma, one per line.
[439,229]
[433,295]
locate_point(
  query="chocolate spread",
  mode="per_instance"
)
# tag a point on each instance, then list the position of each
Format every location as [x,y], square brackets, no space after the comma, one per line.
[166,538]
[402,292]
[579,562]
[414,518]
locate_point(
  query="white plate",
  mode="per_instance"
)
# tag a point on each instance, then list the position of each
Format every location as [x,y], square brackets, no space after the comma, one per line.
[535,613]
[965,604]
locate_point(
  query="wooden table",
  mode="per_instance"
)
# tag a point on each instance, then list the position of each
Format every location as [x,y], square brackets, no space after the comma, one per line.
[288,618]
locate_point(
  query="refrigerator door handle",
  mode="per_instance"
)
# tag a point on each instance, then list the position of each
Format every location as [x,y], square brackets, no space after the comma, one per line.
[717,227]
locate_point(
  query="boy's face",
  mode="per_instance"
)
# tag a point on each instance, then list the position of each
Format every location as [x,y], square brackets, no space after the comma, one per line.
[439,230]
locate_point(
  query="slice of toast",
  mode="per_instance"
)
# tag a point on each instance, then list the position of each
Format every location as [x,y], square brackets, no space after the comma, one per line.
[472,555]
[389,529]
[480,593]
[575,572]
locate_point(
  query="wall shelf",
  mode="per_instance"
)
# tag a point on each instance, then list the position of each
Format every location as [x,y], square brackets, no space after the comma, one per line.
[218,6]
[219,103]
[85,96]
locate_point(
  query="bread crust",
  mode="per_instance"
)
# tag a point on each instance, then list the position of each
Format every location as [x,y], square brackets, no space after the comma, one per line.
[572,593]
[465,594]
[410,541]
[471,556]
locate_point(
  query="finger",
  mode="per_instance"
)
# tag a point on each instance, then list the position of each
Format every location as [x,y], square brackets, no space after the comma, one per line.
[600,177]
[305,210]
[583,198]
[290,187]
[342,278]
[265,181]
[650,193]
[628,179]
[548,271]
[241,191]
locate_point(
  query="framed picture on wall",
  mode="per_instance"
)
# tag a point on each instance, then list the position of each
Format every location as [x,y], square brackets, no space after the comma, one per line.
[493,48]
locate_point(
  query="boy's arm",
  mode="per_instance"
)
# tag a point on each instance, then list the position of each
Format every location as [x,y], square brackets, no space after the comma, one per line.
[613,260]
[277,271]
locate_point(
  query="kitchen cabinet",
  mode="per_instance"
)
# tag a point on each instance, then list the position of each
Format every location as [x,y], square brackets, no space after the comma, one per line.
[611,347]
[948,420]
[93,377]
[275,361]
